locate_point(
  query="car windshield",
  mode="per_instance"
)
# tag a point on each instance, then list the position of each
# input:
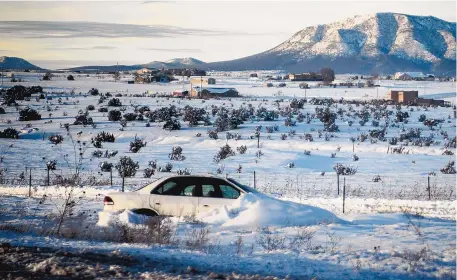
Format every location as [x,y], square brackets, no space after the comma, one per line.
[243,187]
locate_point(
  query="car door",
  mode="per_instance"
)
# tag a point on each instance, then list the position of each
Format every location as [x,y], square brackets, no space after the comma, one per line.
[176,197]
[216,193]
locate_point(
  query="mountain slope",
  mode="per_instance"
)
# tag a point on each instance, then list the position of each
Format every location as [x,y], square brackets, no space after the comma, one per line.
[175,63]
[383,42]
[16,63]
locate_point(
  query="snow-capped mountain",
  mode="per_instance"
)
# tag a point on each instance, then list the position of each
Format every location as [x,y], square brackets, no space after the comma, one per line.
[175,63]
[382,42]
[16,63]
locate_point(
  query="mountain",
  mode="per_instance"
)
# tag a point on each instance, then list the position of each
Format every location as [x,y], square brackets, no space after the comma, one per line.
[375,43]
[382,42]
[187,62]
[175,63]
[16,63]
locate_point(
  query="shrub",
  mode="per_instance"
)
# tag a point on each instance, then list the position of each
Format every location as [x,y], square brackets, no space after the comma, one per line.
[167,168]
[212,134]
[225,152]
[172,125]
[70,78]
[90,107]
[114,115]
[83,119]
[307,153]
[51,165]
[297,103]
[29,114]
[393,141]
[309,137]
[242,149]
[148,172]
[355,157]
[9,133]
[126,167]
[97,153]
[224,122]
[289,122]
[449,168]
[136,145]
[106,166]
[344,170]
[194,115]
[2,111]
[103,110]
[115,102]
[130,117]
[56,139]
[422,118]
[93,92]
[176,154]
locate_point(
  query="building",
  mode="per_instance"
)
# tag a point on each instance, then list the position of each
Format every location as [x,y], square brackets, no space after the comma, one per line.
[180,93]
[202,81]
[143,71]
[402,96]
[408,76]
[305,77]
[213,92]
[431,102]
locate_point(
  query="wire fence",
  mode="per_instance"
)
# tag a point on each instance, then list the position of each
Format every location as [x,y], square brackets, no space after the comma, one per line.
[301,186]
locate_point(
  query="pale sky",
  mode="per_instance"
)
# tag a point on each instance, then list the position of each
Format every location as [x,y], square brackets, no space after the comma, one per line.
[71,33]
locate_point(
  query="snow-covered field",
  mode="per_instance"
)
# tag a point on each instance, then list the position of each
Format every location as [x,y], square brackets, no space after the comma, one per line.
[393,227]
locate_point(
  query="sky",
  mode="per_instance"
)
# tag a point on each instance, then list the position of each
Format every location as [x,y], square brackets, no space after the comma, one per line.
[58,34]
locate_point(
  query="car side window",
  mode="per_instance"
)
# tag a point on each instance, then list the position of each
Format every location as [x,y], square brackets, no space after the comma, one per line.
[229,192]
[211,191]
[167,188]
[189,191]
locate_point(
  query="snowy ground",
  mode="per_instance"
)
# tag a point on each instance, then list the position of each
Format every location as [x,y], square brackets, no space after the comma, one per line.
[390,228]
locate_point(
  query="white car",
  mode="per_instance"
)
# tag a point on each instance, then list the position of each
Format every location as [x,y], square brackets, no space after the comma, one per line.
[178,196]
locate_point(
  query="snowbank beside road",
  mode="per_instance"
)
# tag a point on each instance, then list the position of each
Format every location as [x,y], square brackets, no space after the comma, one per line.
[252,211]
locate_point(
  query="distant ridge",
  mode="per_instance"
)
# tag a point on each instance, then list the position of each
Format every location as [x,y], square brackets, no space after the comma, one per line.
[16,63]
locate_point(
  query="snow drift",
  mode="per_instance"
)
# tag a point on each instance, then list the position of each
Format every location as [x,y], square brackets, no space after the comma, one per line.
[252,211]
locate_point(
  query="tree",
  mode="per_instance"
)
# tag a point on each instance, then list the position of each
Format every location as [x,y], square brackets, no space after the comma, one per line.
[47,76]
[117,76]
[328,75]
[126,167]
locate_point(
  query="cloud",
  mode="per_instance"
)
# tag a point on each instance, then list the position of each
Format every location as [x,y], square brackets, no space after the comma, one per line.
[173,50]
[59,48]
[82,29]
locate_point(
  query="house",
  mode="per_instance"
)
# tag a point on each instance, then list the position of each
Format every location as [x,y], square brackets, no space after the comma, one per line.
[408,76]
[213,92]
[202,81]
[402,96]
[305,77]
[143,71]
[180,93]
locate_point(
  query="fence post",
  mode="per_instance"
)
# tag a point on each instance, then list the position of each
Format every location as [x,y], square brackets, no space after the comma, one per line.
[123,179]
[344,192]
[255,186]
[111,176]
[30,182]
[338,182]
[258,141]
[428,187]
[48,178]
